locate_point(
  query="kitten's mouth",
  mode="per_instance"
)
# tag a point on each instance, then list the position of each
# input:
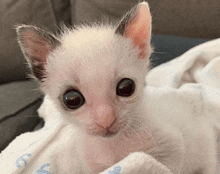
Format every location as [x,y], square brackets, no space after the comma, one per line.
[105,133]
[109,134]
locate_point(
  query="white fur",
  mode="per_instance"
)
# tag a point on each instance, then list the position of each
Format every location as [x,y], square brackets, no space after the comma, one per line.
[93,60]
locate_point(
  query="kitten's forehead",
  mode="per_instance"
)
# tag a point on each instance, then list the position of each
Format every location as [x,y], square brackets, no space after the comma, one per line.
[91,52]
[92,57]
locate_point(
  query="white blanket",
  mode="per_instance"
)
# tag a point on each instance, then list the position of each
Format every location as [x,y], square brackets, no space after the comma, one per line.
[195,76]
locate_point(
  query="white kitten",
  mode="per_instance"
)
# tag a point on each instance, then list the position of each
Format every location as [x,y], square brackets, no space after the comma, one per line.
[95,78]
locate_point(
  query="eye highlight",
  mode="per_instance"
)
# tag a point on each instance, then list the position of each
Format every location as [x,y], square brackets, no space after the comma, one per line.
[73,99]
[125,87]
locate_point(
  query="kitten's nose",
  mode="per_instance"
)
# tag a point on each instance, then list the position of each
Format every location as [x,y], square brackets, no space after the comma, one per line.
[104,115]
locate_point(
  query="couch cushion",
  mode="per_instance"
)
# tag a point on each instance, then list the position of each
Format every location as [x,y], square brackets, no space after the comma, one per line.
[169,47]
[16,95]
[25,120]
[19,102]
[41,13]
[187,18]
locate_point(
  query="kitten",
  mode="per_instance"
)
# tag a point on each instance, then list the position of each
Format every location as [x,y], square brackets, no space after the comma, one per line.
[95,78]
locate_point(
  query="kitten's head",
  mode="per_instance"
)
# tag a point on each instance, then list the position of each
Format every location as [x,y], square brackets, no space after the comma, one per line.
[95,75]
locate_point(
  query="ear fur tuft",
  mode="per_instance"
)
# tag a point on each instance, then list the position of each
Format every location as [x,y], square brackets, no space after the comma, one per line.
[36,44]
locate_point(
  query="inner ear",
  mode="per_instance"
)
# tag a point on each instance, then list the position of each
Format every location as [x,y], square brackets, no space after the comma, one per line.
[136,25]
[36,47]
[36,44]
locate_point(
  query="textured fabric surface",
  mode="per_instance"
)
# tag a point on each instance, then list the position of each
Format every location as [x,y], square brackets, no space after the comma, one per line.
[24,120]
[16,95]
[169,47]
[187,18]
[19,102]
[62,11]
[189,85]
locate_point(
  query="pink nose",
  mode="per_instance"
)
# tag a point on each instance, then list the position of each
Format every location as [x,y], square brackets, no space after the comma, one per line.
[104,115]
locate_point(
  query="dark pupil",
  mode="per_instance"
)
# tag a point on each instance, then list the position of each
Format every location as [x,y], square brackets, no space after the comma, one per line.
[125,87]
[73,99]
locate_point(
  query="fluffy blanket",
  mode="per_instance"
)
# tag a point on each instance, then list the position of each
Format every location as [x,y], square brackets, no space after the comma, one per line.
[195,76]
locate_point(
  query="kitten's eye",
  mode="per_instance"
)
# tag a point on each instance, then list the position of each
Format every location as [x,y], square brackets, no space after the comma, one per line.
[73,99]
[125,87]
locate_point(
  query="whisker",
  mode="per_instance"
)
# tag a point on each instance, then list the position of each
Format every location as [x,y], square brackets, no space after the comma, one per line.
[136,133]
[139,125]
[129,133]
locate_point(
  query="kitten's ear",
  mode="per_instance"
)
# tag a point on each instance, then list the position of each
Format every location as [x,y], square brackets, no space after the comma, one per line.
[136,25]
[36,44]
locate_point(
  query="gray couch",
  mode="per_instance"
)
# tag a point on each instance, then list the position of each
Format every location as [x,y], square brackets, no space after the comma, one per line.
[177,26]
